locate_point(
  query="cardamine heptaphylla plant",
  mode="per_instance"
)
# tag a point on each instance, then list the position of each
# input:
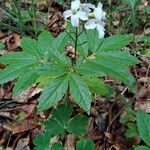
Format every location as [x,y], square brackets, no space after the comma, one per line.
[44,61]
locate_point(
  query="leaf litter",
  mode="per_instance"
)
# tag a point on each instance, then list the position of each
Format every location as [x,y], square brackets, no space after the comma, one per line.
[18,114]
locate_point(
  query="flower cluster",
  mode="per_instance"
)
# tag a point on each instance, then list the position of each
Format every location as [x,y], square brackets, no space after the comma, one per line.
[92,16]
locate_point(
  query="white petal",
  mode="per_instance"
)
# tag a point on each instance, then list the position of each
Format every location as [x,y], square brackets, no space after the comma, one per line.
[82,15]
[101,30]
[75,5]
[99,5]
[75,20]
[98,13]
[67,13]
[90,6]
[90,24]
[103,15]
[87,7]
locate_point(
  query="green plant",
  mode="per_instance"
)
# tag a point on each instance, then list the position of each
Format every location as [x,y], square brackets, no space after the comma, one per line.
[44,59]
[1,45]
[84,144]
[20,20]
[140,128]
[59,123]
[132,21]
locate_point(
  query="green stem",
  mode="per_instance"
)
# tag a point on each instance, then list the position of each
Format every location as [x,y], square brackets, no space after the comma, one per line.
[76,44]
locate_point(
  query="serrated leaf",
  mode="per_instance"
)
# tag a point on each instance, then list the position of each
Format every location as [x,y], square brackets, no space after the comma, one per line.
[18,57]
[143,123]
[78,125]
[2,45]
[89,69]
[83,46]
[44,81]
[42,141]
[115,42]
[80,92]
[123,58]
[117,67]
[24,82]
[30,46]
[12,72]
[54,126]
[96,85]
[51,69]
[142,148]
[53,93]
[132,130]
[59,58]
[85,145]
[60,42]
[57,146]
[93,41]
[59,112]
[45,41]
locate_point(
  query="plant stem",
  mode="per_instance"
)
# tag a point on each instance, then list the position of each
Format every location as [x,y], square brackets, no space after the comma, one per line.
[76,44]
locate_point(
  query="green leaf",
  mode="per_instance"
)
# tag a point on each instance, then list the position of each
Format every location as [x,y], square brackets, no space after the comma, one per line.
[44,80]
[30,46]
[93,41]
[59,1]
[51,69]
[80,92]
[59,58]
[42,141]
[18,57]
[117,67]
[143,123]
[142,148]
[59,112]
[57,146]
[147,10]
[83,46]
[132,130]
[24,82]
[2,45]
[60,42]
[85,145]
[96,85]
[53,93]
[123,58]
[12,72]
[133,3]
[54,126]
[89,69]
[115,42]
[78,125]
[45,41]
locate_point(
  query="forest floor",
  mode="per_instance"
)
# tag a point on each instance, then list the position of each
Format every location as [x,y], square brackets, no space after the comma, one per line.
[110,115]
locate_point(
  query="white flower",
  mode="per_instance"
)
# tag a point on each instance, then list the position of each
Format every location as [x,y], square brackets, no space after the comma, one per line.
[87,7]
[75,13]
[98,21]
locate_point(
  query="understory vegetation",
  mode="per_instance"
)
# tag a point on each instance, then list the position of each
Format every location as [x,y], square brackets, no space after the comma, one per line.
[75,75]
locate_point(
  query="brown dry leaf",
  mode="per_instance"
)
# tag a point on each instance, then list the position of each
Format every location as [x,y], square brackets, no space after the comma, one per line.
[55,22]
[142,93]
[12,41]
[23,144]
[17,39]
[30,92]
[147,31]
[1,92]
[70,142]
[145,105]
[25,125]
